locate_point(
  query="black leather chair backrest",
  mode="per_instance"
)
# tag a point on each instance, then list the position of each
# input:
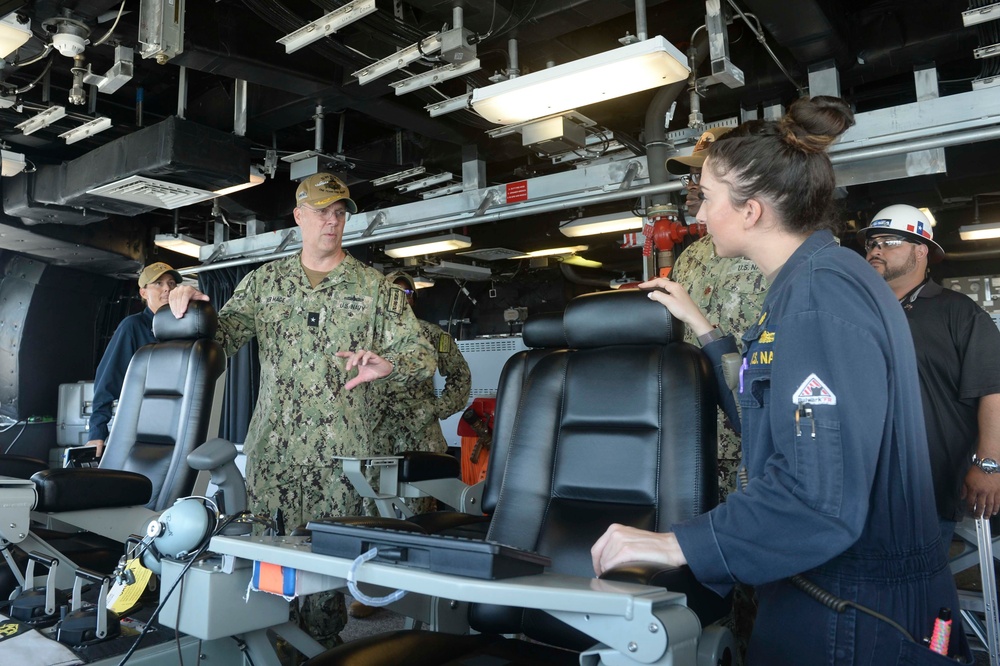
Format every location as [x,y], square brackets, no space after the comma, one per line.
[621,429]
[543,333]
[166,403]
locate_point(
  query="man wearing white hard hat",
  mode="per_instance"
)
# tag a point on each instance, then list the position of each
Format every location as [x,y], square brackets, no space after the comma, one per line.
[959,367]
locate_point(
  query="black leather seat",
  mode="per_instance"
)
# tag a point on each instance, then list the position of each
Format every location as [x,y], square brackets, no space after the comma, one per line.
[163,414]
[621,429]
[542,333]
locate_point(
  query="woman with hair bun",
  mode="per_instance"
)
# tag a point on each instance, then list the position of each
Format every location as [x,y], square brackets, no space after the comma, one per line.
[836,507]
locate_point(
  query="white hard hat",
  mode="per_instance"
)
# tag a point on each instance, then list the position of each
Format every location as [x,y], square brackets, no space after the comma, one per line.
[905,221]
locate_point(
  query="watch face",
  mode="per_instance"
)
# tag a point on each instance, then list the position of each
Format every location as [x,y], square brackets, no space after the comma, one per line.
[989,465]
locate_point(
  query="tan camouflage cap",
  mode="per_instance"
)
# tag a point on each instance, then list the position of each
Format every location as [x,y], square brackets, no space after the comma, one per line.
[322,189]
[682,165]
[153,272]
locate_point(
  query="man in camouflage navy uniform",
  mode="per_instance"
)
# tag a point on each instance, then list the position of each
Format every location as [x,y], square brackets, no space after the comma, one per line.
[328,328]
[418,427]
[414,413]
[729,292]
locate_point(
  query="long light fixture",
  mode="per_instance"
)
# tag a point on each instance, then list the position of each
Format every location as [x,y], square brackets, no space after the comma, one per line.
[629,69]
[552,252]
[601,224]
[256,178]
[414,248]
[13,35]
[327,25]
[179,243]
[13,163]
[985,231]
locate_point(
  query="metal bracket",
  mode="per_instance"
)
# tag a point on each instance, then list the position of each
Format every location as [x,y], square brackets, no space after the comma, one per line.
[19,498]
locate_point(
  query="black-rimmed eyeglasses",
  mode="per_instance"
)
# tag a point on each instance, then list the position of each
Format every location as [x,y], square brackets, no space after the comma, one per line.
[689,179]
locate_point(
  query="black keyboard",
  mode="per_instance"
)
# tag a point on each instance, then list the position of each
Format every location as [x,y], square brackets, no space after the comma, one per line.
[435,552]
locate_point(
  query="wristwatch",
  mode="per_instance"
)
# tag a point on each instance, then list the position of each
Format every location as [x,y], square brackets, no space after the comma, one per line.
[711,336]
[988,465]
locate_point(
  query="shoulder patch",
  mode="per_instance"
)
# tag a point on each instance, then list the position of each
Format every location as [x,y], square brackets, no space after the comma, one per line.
[397,300]
[814,392]
[444,343]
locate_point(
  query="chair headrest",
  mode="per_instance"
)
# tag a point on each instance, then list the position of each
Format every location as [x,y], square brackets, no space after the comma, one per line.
[544,331]
[200,321]
[622,317]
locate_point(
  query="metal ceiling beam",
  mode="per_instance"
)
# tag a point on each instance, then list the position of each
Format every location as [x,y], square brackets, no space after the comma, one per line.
[937,122]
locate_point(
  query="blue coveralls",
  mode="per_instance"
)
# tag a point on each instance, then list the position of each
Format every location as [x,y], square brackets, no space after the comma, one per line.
[842,496]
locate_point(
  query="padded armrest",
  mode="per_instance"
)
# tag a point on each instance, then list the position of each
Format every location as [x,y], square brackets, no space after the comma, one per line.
[77,489]
[707,605]
[21,467]
[424,466]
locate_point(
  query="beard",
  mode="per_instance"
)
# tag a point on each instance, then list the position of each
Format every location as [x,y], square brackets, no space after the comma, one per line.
[890,273]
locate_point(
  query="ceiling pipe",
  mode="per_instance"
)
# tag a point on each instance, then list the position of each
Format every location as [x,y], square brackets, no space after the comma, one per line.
[652,189]
[640,19]
[657,148]
[971,255]
[916,145]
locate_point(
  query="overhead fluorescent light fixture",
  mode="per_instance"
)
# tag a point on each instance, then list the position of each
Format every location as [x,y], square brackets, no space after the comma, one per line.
[630,69]
[13,163]
[601,224]
[552,252]
[930,215]
[453,269]
[43,119]
[421,246]
[327,25]
[256,178]
[179,243]
[88,129]
[422,282]
[13,35]
[972,232]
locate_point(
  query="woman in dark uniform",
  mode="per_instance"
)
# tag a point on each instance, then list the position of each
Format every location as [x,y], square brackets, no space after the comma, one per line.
[837,491]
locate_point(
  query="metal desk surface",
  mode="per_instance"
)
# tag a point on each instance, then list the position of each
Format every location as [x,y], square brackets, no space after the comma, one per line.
[548,591]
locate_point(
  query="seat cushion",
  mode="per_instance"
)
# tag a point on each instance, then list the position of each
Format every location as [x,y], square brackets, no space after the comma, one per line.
[21,467]
[84,488]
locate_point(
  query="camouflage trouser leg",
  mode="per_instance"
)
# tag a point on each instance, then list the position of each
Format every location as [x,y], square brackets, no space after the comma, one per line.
[303,493]
[728,481]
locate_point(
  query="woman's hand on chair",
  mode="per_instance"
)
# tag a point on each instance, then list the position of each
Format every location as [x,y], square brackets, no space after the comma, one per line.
[675,298]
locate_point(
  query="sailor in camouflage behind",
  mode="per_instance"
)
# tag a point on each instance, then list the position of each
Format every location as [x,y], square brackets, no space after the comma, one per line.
[729,292]
[413,411]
